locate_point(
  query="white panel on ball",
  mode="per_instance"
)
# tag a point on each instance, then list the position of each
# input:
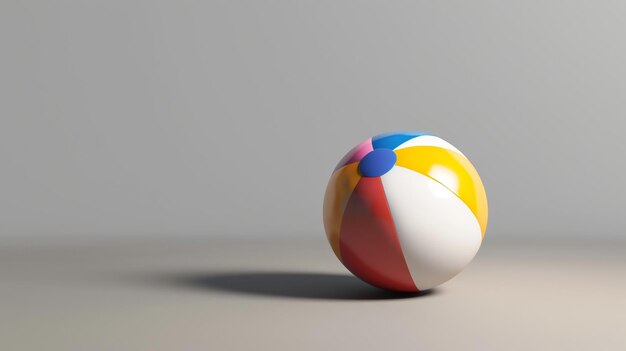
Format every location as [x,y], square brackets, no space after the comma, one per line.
[428,140]
[438,233]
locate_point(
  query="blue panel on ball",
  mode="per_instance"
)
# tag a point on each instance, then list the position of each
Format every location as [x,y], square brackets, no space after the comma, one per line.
[377,162]
[393,140]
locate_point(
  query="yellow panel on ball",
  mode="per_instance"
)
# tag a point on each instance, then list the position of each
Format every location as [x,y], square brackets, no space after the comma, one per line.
[452,170]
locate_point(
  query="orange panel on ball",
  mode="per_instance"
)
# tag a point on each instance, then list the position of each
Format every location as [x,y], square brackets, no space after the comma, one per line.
[340,187]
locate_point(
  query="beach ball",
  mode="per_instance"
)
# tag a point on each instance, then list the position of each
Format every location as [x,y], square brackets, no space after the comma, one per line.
[405,211]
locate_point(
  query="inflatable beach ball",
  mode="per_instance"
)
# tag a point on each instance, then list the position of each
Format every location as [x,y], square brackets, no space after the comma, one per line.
[405,211]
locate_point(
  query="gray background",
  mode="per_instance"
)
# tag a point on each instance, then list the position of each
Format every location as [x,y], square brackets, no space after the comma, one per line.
[225,118]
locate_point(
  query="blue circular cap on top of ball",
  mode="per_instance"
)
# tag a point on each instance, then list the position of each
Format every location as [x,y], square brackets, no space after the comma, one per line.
[377,162]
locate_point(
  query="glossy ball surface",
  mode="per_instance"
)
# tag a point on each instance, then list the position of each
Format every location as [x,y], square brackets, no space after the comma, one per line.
[405,211]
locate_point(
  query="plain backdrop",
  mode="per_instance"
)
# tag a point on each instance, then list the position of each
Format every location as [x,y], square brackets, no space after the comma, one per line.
[225,118]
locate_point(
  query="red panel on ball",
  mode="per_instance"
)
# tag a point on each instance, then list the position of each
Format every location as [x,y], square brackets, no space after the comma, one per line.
[368,242]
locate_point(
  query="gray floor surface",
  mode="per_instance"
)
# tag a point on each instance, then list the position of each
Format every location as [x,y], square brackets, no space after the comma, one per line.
[295,295]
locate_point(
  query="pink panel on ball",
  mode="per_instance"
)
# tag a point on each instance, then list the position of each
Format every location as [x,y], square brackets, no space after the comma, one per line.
[368,242]
[356,154]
